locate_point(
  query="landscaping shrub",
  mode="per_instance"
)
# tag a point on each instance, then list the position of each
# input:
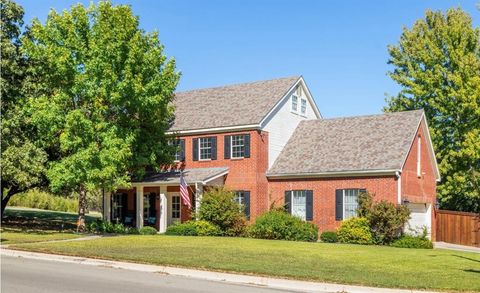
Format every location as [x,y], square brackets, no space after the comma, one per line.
[276,224]
[100,227]
[355,231]
[219,208]
[147,230]
[386,220]
[408,241]
[329,236]
[194,228]
[42,200]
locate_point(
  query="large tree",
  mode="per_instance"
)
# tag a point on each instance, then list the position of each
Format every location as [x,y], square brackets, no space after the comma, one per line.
[22,161]
[437,63]
[102,97]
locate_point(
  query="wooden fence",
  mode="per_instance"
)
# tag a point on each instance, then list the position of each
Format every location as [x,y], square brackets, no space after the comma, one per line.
[458,227]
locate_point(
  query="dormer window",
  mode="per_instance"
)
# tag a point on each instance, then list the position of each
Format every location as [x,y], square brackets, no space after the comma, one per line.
[303,106]
[294,103]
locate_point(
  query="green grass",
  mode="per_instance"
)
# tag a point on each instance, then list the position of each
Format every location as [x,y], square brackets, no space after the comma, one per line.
[353,264]
[14,236]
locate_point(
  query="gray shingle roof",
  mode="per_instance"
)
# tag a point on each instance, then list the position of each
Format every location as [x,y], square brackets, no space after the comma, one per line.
[191,175]
[363,143]
[232,105]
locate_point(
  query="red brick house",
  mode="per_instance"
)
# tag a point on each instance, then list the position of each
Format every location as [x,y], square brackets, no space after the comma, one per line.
[270,145]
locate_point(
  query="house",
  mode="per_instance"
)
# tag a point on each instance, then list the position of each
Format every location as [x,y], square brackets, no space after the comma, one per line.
[268,142]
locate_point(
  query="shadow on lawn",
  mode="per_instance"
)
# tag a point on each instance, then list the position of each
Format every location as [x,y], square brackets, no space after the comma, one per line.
[468,258]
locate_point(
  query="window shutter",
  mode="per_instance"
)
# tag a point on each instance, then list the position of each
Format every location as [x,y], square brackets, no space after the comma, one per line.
[182,150]
[214,147]
[226,154]
[247,145]
[309,205]
[339,204]
[247,203]
[288,201]
[195,149]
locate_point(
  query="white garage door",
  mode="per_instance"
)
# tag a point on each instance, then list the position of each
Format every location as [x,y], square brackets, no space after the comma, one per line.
[420,218]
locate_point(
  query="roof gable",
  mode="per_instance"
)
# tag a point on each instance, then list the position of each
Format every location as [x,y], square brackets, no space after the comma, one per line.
[372,143]
[227,106]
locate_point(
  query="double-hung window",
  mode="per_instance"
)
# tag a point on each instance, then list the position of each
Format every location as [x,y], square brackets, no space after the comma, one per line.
[303,106]
[294,103]
[299,203]
[179,145]
[205,148]
[176,207]
[347,203]
[242,197]
[238,146]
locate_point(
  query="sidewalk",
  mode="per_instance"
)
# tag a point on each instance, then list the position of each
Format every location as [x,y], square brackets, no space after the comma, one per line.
[451,246]
[274,283]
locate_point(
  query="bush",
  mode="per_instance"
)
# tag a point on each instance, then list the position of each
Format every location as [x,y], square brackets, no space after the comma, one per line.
[408,241]
[194,228]
[219,208]
[276,224]
[147,230]
[386,220]
[43,200]
[100,227]
[329,236]
[355,231]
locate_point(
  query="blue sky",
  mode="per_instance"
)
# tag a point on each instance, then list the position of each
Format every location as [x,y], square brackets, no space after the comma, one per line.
[340,47]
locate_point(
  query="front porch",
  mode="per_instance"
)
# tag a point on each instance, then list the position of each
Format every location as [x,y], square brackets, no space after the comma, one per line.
[156,201]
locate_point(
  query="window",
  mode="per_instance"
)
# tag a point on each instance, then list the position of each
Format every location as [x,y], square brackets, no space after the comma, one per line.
[419,156]
[179,154]
[243,197]
[299,201]
[350,203]
[303,106]
[238,146]
[205,148]
[294,103]
[176,207]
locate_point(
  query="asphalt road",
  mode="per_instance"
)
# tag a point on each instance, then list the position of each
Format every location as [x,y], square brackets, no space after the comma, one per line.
[21,275]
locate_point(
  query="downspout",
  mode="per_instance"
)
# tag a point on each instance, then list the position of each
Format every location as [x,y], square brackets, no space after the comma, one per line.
[399,186]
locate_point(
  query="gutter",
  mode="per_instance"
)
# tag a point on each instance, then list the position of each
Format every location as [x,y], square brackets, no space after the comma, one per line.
[333,174]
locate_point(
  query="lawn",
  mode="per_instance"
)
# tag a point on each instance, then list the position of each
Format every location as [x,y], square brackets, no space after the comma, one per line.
[24,225]
[353,264]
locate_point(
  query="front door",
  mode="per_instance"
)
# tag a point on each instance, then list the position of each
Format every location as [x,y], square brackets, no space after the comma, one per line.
[174,208]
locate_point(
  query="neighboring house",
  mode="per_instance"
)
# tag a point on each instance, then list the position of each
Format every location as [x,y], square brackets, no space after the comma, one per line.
[268,142]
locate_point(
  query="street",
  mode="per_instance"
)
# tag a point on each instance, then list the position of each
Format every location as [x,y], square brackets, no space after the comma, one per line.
[21,275]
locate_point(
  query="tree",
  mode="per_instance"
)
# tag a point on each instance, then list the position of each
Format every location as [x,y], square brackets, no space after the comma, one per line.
[102,97]
[437,63]
[22,161]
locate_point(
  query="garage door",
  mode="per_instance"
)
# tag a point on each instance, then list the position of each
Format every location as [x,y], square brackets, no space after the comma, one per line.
[420,218]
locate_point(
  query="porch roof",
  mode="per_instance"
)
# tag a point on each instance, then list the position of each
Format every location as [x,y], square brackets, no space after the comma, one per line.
[196,175]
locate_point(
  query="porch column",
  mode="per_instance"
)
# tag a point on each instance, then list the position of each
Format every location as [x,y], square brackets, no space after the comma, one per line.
[163,210]
[198,197]
[107,202]
[139,199]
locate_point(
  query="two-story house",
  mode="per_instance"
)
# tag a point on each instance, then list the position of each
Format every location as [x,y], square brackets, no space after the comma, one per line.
[267,141]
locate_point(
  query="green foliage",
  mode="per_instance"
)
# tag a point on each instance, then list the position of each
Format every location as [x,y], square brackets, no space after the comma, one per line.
[219,208]
[329,236]
[103,227]
[194,228]
[277,224]
[22,160]
[408,241]
[437,63]
[386,220]
[148,231]
[355,231]
[45,201]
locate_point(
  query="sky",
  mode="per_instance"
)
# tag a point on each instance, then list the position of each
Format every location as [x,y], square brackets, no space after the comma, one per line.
[339,47]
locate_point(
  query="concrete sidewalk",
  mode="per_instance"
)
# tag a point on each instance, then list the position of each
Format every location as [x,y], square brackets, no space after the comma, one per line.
[451,246]
[274,283]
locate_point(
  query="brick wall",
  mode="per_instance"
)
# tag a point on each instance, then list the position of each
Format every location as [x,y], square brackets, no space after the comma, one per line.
[324,194]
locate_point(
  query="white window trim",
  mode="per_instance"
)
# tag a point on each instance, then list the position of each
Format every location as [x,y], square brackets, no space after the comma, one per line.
[231,147]
[200,149]
[419,156]
[343,200]
[302,100]
[180,209]
[174,155]
[296,105]
[291,202]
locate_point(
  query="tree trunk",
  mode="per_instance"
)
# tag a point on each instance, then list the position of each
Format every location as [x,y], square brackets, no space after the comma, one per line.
[12,191]
[82,207]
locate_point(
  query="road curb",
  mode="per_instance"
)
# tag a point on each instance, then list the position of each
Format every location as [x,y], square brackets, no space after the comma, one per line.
[268,282]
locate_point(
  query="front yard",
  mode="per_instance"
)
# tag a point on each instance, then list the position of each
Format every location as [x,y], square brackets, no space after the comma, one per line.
[352,264]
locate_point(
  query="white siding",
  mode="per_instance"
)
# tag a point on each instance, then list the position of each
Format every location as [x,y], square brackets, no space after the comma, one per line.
[281,124]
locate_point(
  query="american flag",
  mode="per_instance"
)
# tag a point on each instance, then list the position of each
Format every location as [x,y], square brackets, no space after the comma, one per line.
[184,192]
